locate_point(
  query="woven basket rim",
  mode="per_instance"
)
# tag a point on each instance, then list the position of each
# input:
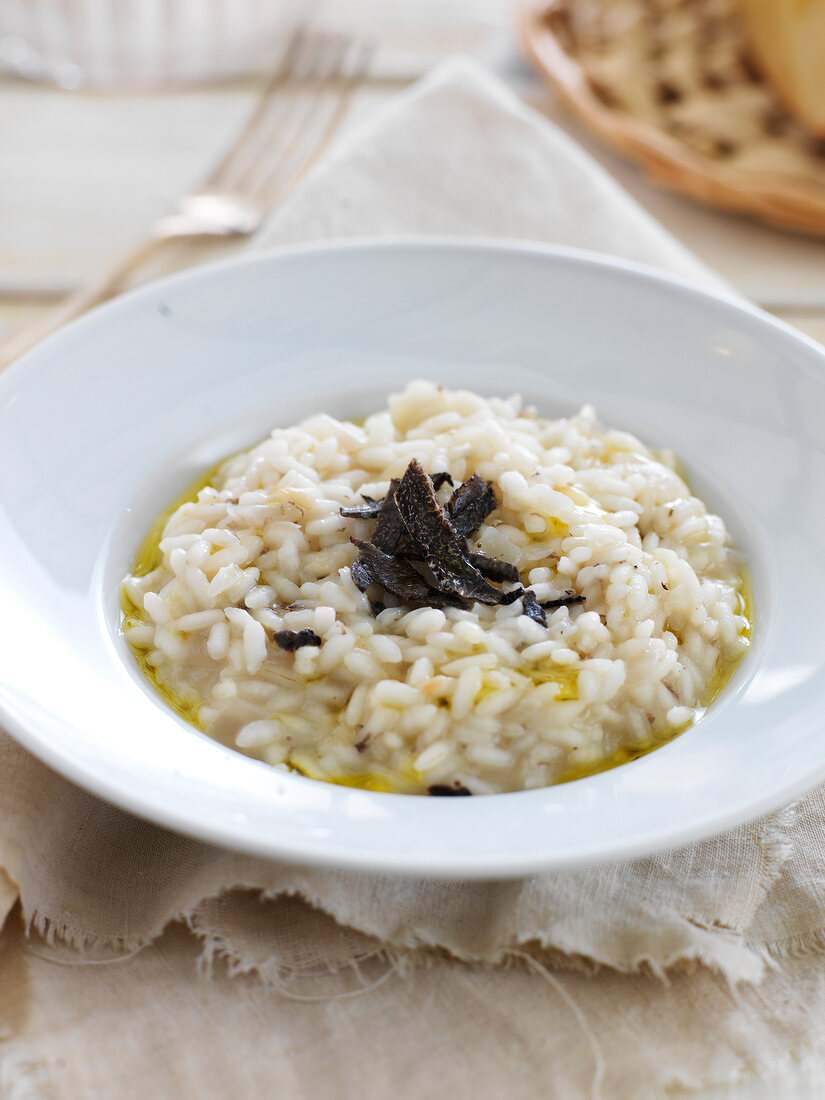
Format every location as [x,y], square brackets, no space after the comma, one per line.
[794,205]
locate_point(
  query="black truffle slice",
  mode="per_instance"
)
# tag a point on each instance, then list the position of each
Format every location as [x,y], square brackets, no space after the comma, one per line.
[440,548]
[413,529]
[563,601]
[440,479]
[470,505]
[291,640]
[443,790]
[362,575]
[494,569]
[390,534]
[370,510]
[532,608]
[394,574]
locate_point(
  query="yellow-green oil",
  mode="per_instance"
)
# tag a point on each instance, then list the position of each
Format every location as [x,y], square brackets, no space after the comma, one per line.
[149,557]
[719,680]
[409,781]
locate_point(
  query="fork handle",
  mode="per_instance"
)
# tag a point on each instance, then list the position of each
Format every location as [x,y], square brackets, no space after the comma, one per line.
[103,287]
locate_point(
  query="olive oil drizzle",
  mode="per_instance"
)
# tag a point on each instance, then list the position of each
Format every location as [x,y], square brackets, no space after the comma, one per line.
[720,678]
[147,559]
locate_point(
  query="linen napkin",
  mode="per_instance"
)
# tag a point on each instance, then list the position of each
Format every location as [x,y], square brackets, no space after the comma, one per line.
[556,967]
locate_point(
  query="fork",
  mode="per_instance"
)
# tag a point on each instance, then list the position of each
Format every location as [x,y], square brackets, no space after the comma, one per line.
[294,121]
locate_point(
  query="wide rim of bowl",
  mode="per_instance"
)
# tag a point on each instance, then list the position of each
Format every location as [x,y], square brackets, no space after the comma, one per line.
[443,864]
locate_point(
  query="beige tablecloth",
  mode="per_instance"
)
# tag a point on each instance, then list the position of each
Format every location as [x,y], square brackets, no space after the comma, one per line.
[623,981]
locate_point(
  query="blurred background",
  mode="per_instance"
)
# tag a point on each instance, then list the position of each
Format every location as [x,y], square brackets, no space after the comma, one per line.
[110,110]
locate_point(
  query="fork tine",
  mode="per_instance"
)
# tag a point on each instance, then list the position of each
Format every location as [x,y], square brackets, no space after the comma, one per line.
[351,69]
[215,179]
[298,100]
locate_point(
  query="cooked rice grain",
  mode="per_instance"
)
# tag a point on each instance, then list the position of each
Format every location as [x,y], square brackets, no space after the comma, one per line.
[481,696]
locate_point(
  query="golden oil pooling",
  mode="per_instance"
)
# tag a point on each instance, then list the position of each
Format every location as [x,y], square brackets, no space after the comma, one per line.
[722,675]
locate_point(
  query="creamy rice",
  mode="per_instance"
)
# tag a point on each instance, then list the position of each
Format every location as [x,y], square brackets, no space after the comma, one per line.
[479,697]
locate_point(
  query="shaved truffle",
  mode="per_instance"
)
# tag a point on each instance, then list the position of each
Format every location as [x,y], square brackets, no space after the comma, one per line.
[290,640]
[532,609]
[494,569]
[429,528]
[442,790]
[394,574]
[370,510]
[418,550]
[441,479]
[390,534]
[563,601]
[470,505]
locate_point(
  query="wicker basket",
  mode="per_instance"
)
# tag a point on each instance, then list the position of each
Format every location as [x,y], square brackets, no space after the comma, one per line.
[670,84]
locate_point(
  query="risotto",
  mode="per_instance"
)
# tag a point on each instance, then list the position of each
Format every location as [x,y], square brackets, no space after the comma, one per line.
[456,596]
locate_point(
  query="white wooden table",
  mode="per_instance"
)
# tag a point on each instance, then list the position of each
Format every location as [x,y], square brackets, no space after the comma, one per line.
[82,177]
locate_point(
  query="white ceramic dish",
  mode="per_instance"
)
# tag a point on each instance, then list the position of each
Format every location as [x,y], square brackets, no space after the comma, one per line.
[89,455]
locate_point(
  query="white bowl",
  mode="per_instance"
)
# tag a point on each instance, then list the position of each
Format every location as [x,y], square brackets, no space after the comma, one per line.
[107,422]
